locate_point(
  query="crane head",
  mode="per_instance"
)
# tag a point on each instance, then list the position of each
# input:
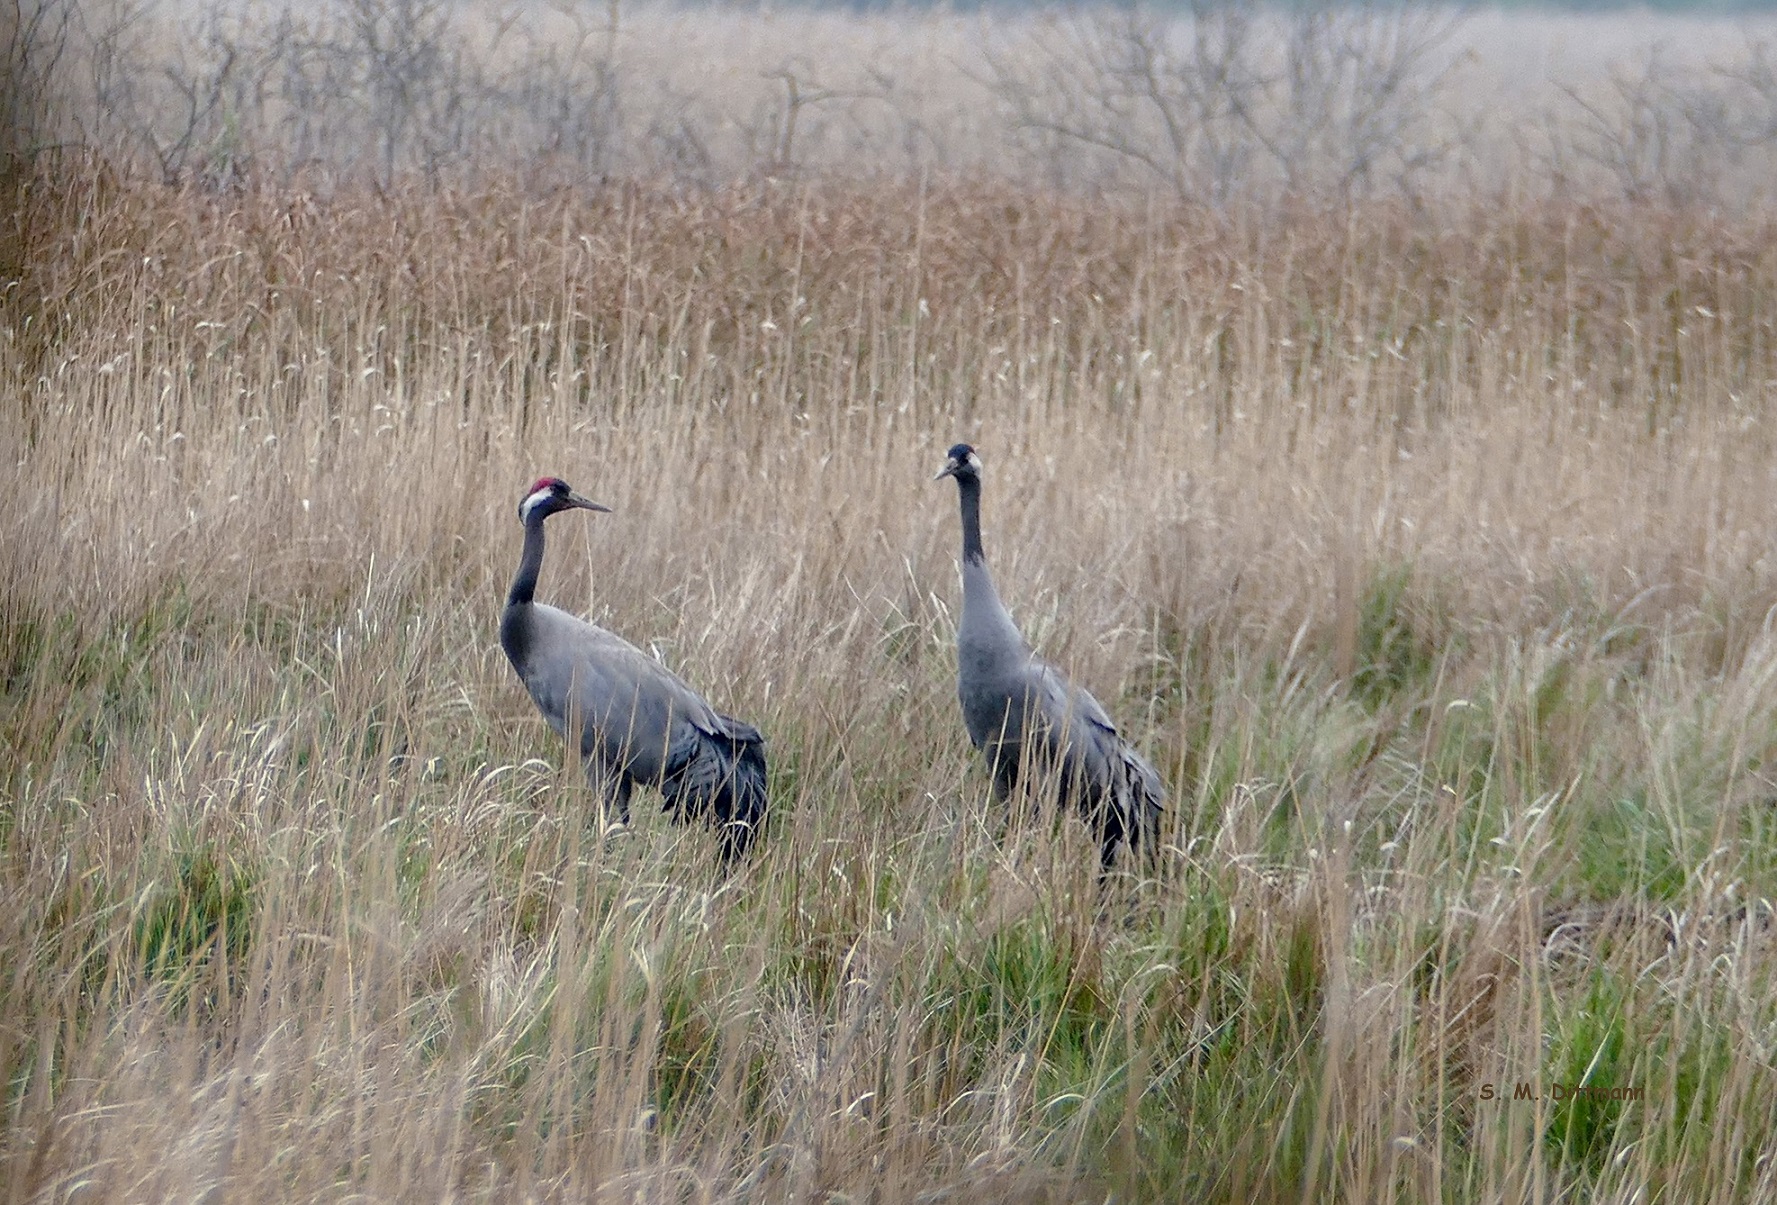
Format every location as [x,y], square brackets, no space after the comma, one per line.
[962,462]
[550,494]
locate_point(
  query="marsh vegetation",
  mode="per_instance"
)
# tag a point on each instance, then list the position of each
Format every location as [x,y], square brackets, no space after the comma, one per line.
[1419,536]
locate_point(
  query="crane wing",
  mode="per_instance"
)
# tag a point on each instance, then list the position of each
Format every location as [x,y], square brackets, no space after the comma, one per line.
[1118,784]
[1065,706]
[625,700]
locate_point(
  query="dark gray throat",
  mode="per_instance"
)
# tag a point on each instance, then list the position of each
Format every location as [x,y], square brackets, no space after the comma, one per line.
[970,489]
[530,563]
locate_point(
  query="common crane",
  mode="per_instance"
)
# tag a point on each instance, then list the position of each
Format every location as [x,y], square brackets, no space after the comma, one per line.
[1024,714]
[633,721]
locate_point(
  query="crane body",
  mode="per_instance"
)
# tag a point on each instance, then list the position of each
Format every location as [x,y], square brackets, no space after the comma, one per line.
[1026,717]
[630,720]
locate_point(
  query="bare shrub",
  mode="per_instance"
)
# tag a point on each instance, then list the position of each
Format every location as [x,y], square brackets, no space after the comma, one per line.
[566,90]
[1755,78]
[1651,132]
[1669,129]
[1321,99]
[1219,102]
[34,40]
[34,37]
[377,88]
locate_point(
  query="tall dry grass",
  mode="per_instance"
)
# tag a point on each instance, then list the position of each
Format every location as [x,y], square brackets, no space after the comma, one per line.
[1426,553]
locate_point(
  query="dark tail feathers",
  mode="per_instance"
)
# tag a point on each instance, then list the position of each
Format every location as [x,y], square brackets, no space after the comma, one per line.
[724,783]
[1129,808]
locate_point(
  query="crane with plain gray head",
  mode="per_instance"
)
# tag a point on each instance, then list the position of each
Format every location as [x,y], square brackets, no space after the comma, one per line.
[1024,714]
[631,720]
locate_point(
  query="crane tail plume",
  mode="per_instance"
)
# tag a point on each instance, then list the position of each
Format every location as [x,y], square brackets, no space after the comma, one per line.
[746,801]
[1137,799]
[723,781]
[1126,808]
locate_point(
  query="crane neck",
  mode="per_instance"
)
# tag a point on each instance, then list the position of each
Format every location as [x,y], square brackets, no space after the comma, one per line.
[986,624]
[530,561]
[970,490]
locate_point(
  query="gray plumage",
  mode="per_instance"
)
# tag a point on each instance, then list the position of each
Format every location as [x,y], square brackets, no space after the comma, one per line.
[636,722]
[1024,714]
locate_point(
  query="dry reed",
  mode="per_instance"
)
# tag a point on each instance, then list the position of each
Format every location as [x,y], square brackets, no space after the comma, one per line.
[1425,552]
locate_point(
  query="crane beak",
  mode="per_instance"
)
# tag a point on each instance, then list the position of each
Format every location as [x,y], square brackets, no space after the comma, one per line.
[948,470]
[587,503]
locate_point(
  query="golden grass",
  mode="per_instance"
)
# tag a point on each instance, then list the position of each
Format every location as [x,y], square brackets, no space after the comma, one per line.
[1425,552]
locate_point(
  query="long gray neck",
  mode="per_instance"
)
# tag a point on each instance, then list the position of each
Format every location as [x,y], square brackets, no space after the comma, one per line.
[986,623]
[970,489]
[530,562]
